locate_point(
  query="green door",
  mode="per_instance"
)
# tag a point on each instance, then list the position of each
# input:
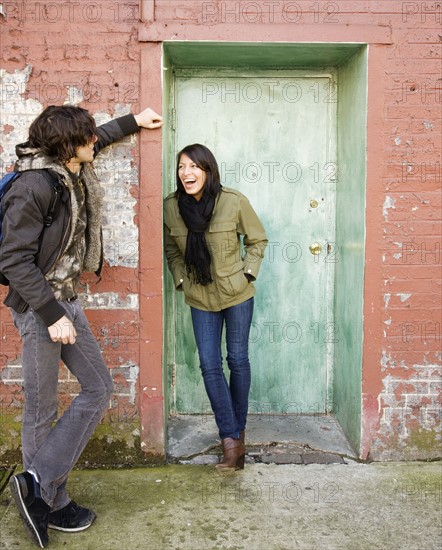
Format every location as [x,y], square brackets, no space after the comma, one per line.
[273,135]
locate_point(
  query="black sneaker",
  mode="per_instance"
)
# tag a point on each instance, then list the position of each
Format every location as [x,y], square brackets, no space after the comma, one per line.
[33,509]
[71,518]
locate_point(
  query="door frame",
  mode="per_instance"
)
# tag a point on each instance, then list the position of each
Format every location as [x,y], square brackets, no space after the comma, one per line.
[350,61]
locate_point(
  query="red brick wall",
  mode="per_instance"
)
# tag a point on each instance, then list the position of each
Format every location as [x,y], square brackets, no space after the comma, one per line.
[94,47]
[87,49]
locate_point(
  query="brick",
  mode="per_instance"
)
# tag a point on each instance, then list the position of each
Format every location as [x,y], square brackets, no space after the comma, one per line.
[12,374]
[402,414]
[414,300]
[70,388]
[433,417]
[413,229]
[418,400]
[390,400]
[82,17]
[418,271]
[97,53]
[435,387]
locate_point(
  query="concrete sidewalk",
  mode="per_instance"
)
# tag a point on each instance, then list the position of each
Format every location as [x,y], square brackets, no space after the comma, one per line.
[270,507]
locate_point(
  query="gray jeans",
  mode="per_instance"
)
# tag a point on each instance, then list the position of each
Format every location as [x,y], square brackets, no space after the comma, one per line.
[51,450]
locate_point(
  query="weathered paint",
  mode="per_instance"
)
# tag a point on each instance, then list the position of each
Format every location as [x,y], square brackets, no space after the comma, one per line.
[350,239]
[410,412]
[282,298]
[257,55]
[113,306]
[271,132]
[93,48]
[150,276]
[115,441]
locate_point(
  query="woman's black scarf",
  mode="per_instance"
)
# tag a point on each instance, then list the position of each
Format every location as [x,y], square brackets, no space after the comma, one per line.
[197,216]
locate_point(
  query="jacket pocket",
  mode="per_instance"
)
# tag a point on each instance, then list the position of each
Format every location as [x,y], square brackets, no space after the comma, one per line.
[234,284]
[222,226]
[191,290]
[178,232]
[224,245]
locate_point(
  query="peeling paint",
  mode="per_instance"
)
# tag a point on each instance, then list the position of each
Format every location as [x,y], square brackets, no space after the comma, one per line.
[411,413]
[74,96]
[114,166]
[12,86]
[134,371]
[69,44]
[387,361]
[109,300]
[388,203]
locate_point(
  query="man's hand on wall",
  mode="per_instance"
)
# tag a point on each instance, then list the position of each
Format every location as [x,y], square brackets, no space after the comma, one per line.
[149,119]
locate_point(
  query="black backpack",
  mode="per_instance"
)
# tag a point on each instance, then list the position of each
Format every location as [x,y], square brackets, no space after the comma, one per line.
[52,179]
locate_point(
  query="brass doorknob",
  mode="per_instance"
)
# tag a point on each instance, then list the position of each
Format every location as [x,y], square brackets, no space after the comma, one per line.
[315,248]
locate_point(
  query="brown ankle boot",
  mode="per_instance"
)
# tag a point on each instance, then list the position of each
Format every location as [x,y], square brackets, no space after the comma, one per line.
[242,436]
[234,455]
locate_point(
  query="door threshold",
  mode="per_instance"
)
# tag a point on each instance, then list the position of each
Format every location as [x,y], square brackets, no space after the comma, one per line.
[302,439]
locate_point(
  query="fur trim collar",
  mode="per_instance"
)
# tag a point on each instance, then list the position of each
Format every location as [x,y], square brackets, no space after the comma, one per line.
[33,159]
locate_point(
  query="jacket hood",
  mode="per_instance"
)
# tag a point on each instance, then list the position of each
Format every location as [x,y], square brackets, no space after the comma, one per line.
[31,158]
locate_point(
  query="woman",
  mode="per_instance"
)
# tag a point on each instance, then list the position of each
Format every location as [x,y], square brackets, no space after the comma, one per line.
[203,225]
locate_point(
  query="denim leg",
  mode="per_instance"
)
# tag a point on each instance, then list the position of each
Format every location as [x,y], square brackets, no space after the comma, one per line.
[61,445]
[238,320]
[207,327]
[40,362]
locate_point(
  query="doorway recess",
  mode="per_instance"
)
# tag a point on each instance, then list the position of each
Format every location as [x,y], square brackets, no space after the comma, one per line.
[348,62]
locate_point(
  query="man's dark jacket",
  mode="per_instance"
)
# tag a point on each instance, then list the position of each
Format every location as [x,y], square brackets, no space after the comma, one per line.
[25,257]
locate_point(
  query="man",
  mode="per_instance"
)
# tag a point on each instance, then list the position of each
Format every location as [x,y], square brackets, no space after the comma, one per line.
[43,266]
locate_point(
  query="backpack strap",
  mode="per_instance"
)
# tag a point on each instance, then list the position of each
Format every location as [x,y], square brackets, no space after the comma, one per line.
[53,179]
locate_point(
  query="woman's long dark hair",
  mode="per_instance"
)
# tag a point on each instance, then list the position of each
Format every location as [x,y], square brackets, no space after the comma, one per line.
[204,159]
[198,213]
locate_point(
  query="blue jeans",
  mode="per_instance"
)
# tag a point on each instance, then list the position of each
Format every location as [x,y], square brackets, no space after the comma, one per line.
[51,451]
[229,401]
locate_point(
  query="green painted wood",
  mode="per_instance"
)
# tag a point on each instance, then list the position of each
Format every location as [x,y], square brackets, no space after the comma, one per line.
[257,55]
[273,135]
[350,228]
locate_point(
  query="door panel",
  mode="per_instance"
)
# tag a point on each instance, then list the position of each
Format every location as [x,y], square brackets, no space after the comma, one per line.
[273,138]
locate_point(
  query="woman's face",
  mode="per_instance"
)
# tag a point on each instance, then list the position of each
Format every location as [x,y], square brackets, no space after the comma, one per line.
[191,176]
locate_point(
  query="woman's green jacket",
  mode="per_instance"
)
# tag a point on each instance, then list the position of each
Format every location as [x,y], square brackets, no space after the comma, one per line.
[235,262]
